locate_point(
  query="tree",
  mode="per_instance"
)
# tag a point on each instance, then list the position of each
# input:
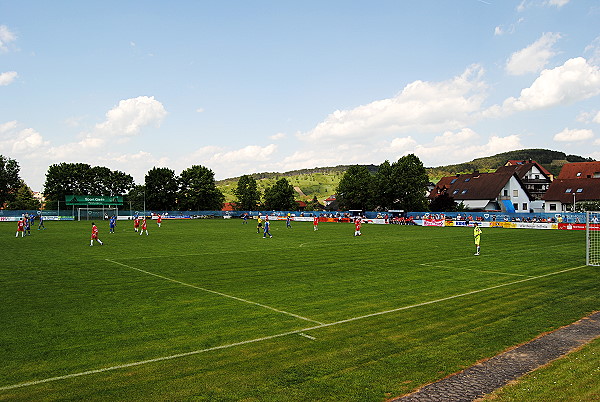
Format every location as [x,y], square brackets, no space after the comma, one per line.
[247,194]
[443,203]
[280,196]
[384,194]
[198,191]
[410,183]
[134,199]
[354,188]
[314,205]
[10,182]
[82,179]
[24,199]
[161,189]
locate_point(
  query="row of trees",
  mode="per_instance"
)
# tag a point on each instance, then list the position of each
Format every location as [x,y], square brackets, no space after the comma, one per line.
[401,185]
[14,193]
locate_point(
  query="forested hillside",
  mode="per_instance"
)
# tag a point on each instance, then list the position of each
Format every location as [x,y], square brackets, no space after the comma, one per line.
[322,182]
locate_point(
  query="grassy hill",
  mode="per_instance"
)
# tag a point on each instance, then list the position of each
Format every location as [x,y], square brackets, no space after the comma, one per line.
[322,182]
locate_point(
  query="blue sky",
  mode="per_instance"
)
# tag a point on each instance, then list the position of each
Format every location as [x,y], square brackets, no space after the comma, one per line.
[255,86]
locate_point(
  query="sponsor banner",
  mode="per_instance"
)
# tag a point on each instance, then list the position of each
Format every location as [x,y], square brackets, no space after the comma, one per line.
[377,221]
[571,226]
[535,225]
[433,222]
[46,218]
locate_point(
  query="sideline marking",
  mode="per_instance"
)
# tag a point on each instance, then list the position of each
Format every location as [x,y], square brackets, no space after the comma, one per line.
[312,338]
[215,292]
[476,270]
[298,331]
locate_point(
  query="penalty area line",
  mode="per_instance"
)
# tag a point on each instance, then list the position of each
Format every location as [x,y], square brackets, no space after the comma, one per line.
[300,332]
[215,292]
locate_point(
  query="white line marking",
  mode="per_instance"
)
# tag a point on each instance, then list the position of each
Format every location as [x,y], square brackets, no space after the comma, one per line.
[215,292]
[476,270]
[307,336]
[299,331]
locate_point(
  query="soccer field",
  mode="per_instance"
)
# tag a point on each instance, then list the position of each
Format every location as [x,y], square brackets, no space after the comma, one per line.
[209,310]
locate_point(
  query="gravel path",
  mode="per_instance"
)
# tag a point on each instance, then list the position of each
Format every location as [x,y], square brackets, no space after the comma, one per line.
[487,376]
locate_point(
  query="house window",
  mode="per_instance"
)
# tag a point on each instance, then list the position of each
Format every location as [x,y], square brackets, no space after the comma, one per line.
[569,190]
[505,193]
[455,192]
[524,206]
[578,174]
[515,193]
[464,192]
[552,207]
[579,190]
[537,176]
[467,179]
[453,181]
[515,206]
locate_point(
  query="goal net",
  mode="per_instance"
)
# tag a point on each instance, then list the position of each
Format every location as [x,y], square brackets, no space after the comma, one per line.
[88,213]
[592,237]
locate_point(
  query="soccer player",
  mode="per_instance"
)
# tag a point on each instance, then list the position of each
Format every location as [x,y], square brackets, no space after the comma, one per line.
[266,230]
[477,235]
[259,226]
[95,235]
[136,223]
[159,220]
[315,223]
[20,228]
[112,224]
[144,227]
[245,217]
[41,224]
[288,221]
[357,224]
[27,224]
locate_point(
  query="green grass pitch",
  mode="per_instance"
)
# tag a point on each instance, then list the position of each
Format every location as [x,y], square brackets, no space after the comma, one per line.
[209,310]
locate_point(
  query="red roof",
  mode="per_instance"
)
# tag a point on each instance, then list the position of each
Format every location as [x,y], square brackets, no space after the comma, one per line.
[331,198]
[580,170]
[562,190]
[228,206]
[521,168]
[473,186]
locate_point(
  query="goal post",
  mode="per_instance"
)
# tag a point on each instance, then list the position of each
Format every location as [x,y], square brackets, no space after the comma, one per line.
[592,238]
[95,213]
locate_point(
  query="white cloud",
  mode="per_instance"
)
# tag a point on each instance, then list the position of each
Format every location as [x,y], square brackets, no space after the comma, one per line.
[200,110]
[131,115]
[20,142]
[593,50]
[420,106]
[6,36]
[7,77]
[278,136]
[440,153]
[8,126]
[534,57]
[573,135]
[402,144]
[557,3]
[596,119]
[575,80]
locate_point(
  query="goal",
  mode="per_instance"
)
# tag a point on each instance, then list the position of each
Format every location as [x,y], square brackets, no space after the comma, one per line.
[88,213]
[592,238]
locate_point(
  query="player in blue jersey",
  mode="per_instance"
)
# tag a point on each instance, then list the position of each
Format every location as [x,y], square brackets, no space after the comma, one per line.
[112,223]
[266,229]
[41,224]
[288,221]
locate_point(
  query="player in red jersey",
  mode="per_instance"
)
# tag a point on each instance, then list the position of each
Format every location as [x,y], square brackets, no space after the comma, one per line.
[136,223]
[144,227]
[159,220]
[95,235]
[20,228]
[315,223]
[357,224]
